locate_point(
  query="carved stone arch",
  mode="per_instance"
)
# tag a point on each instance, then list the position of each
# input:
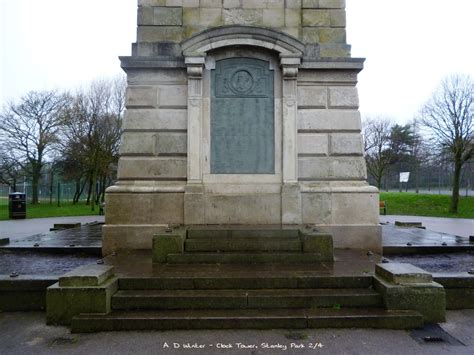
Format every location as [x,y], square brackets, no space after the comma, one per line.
[218,37]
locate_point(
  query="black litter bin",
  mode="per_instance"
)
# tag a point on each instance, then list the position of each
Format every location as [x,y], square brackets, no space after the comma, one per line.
[17,205]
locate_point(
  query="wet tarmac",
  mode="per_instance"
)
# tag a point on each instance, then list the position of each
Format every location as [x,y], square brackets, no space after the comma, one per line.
[452,262]
[46,253]
[28,263]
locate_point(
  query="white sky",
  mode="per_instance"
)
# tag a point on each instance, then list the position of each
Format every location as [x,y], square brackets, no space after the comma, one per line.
[410,45]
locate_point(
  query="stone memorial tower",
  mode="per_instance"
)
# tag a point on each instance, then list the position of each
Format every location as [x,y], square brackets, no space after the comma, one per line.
[241,112]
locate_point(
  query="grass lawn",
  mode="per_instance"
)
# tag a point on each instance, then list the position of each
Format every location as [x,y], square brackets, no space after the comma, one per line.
[46,210]
[411,204]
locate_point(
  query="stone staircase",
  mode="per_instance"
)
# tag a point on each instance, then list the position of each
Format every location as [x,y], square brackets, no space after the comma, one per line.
[212,246]
[245,279]
[250,301]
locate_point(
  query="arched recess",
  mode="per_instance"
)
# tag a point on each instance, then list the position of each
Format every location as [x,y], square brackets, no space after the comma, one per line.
[290,51]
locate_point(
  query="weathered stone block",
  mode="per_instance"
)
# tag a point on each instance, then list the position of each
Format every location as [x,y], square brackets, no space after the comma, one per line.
[153,143]
[243,209]
[332,4]
[334,50]
[211,3]
[151,2]
[174,2]
[316,208]
[293,4]
[142,96]
[242,16]
[145,16]
[274,17]
[275,4]
[346,144]
[145,209]
[159,33]
[312,97]
[190,31]
[429,299]
[190,3]
[191,16]
[338,18]
[210,17]
[348,168]
[313,168]
[149,167]
[310,35]
[86,275]
[164,244]
[63,303]
[167,16]
[318,243]
[332,35]
[173,96]
[310,4]
[354,208]
[343,97]
[254,4]
[292,31]
[291,204]
[171,119]
[292,17]
[402,273]
[229,4]
[316,18]
[328,120]
[313,143]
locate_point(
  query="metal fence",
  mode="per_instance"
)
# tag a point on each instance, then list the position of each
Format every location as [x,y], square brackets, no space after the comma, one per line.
[58,193]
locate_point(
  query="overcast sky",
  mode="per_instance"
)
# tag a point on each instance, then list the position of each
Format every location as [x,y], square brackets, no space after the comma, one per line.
[410,45]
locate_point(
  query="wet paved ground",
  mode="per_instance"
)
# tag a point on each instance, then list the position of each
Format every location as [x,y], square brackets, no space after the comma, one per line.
[346,263]
[87,236]
[87,239]
[27,333]
[455,226]
[21,228]
[28,263]
[450,262]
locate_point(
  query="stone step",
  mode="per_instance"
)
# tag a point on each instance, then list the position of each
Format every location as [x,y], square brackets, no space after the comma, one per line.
[248,257]
[232,244]
[242,299]
[247,319]
[260,280]
[193,233]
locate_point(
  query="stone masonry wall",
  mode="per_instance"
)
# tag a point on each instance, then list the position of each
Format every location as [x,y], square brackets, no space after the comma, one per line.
[319,22]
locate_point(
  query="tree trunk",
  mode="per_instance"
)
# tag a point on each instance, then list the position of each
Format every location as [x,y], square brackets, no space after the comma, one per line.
[34,186]
[456,180]
[89,192]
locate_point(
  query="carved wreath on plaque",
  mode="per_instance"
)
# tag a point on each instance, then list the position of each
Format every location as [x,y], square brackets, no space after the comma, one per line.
[250,81]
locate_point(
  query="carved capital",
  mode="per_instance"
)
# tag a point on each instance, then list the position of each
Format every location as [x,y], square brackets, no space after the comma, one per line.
[290,73]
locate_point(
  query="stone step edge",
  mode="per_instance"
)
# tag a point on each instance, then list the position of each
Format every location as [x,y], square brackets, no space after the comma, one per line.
[270,319]
[239,257]
[240,282]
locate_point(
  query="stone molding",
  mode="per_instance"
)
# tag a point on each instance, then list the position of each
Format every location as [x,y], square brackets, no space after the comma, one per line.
[242,35]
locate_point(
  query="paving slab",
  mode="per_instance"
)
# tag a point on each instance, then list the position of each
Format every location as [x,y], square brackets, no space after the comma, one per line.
[26,333]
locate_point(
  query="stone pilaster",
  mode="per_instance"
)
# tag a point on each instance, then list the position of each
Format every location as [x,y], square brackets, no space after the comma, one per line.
[291,195]
[193,197]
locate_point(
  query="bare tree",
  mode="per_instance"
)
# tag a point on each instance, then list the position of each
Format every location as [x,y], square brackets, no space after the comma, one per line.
[91,137]
[378,155]
[449,116]
[29,130]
